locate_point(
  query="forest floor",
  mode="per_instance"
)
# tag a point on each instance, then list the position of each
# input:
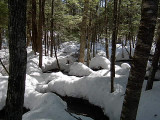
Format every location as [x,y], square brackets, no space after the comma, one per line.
[78,85]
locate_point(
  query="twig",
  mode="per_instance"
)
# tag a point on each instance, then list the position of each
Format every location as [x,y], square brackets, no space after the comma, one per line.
[4,67]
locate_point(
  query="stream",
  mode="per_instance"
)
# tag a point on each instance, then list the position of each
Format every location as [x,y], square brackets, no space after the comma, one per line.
[80,106]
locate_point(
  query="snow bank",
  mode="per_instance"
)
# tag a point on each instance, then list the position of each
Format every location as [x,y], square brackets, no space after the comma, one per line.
[79,69]
[99,62]
[46,106]
[49,106]
[96,89]
[69,47]
[51,63]
[123,70]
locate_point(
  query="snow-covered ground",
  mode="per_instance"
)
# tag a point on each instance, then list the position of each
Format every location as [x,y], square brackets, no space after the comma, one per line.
[82,82]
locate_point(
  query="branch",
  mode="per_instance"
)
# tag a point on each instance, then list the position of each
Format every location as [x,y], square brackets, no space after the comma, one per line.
[4,67]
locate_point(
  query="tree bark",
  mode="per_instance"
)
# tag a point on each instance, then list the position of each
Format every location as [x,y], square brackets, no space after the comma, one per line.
[89,39]
[52,41]
[114,39]
[45,42]
[83,31]
[0,38]
[141,55]
[17,59]
[106,30]
[40,34]
[155,60]
[34,27]
[29,22]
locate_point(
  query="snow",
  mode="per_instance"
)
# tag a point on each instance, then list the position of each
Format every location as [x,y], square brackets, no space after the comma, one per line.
[3,90]
[79,69]
[123,70]
[70,48]
[149,104]
[99,62]
[97,91]
[47,106]
[125,51]
[81,82]
[50,63]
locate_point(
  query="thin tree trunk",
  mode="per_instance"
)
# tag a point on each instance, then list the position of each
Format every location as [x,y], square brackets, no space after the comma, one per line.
[106,30]
[55,52]
[94,34]
[29,23]
[155,60]
[89,40]
[114,39]
[17,59]
[122,48]
[45,42]
[52,39]
[130,45]
[4,66]
[130,35]
[133,42]
[0,38]
[44,26]
[34,27]
[141,55]
[40,34]
[58,41]
[83,31]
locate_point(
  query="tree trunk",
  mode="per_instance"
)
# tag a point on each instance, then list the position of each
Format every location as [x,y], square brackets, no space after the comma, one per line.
[17,59]
[89,40]
[34,27]
[40,34]
[94,34]
[83,31]
[141,55]
[44,26]
[106,30]
[114,39]
[122,48]
[51,54]
[133,42]
[0,38]
[155,60]
[55,52]
[45,42]
[29,23]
